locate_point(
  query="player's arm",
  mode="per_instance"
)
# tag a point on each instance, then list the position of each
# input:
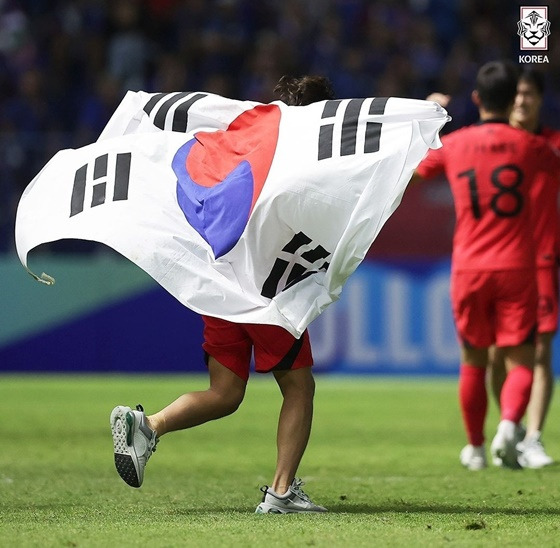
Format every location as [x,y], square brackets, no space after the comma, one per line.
[433,163]
[431,166]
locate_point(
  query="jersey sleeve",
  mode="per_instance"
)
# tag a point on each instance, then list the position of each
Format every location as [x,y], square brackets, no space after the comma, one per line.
[433,163]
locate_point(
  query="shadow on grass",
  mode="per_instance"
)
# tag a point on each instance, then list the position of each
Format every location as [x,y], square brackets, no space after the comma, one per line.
[415,508]
[379,509]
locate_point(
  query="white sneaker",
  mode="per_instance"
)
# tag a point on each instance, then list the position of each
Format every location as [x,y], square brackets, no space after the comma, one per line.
[294,501]
[473,457]
[133,443]
[532,454]
[503,445]
[519,436]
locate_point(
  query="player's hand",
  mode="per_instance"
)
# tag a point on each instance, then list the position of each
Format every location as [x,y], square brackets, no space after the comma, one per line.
[440,98]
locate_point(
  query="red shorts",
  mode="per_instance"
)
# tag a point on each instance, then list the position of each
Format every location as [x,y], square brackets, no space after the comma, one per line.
[494,307]
[232,344]
[547,286]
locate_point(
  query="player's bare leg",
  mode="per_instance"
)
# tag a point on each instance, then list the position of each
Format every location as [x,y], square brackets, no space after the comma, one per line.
[531,450]
[477,357]
[223,397]
[294,423]
[135,435]
[294,426]
[497,371]
[543,385]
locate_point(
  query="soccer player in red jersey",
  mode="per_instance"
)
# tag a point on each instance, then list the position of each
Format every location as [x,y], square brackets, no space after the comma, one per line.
[228,348]
[490,166]
[544,194]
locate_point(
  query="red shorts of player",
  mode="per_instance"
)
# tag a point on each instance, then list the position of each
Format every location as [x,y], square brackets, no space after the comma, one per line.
[495,307]
[547,286]
[232,344]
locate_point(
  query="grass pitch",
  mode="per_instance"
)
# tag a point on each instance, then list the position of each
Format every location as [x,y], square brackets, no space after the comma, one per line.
[383,457]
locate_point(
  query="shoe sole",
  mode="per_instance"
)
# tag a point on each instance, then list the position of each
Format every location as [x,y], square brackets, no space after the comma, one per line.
[122,423]
[262,509]
[265,508]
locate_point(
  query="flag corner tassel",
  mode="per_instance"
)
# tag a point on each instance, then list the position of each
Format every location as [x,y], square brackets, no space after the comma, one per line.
[44,278]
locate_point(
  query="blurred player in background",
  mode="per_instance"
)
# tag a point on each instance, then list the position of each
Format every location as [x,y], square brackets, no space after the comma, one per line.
[228,348]
[544,194]
[489,167]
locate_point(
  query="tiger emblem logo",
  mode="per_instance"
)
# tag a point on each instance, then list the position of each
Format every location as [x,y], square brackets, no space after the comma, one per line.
[533,29]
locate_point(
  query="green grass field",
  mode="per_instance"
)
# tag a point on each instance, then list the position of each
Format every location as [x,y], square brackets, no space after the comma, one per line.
[383,457]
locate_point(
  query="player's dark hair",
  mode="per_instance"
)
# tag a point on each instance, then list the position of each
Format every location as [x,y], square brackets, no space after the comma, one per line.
[534,77]
[496,83]
[304,90]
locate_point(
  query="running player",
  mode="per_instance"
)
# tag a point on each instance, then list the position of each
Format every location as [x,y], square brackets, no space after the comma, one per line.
[544,193]
[228,348]
[489,167]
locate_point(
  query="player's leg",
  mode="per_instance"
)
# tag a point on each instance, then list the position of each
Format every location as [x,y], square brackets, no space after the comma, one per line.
[497,371]
[514,399]
[473,400]
[531,450]
[516,390]
[470,294]
[532,453]
[228,352]
[294,423]
[543,381]
[294,427]
[516,327]
[135,435]
[498,374]
[290,360]
[223,396]
[543,384]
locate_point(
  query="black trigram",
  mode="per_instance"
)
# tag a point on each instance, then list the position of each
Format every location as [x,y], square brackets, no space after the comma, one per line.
[349,129]
[179,102]
[299,271]
[99,190]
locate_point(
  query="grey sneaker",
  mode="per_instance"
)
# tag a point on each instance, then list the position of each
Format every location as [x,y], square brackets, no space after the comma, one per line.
[294,501]
[133,441]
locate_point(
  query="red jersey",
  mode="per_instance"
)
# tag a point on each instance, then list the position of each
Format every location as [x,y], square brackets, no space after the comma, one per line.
[490,167]
[546,223]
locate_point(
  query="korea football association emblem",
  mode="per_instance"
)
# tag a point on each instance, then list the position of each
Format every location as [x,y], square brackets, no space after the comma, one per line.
[533,29]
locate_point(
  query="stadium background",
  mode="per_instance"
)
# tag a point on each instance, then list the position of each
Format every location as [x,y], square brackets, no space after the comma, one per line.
[65,65]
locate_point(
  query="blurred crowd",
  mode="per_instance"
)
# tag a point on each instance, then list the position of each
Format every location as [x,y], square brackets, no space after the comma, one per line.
[66,64]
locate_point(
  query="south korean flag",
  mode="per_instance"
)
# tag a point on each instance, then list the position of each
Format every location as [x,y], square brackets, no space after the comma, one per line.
[246,211]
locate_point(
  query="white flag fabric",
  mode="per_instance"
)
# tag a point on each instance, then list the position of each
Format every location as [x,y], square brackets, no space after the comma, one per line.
[250,212]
